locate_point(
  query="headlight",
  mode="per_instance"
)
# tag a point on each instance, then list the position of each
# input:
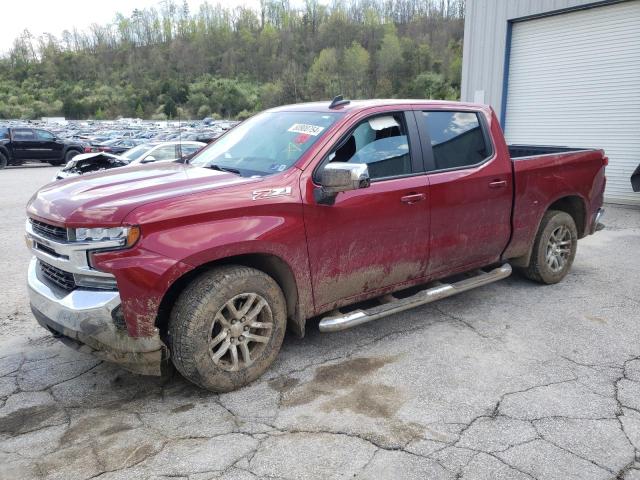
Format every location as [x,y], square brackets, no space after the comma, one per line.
[127,236]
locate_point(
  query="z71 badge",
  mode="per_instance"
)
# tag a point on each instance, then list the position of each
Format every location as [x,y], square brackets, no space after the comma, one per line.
[270,193]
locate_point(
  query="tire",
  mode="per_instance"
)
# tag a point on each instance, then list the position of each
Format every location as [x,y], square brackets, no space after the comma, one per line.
[67,156]
[3,161]
[200,327]
[554,248]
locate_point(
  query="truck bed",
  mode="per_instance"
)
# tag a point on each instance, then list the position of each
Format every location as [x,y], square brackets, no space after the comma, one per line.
[523,152]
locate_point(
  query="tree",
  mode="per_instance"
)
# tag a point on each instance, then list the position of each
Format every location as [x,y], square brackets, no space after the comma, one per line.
[139,111]
[323,78]
[170,109]
[355,71]
[390,58]
[224,60]
[431,85]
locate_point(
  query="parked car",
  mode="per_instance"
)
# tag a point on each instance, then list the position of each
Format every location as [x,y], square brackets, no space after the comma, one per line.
[115,146]
[90,163]
[301,211]
[144,153]
[21,144]
[161,151]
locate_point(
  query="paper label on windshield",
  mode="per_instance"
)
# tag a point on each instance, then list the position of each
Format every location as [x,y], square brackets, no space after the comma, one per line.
[305,128]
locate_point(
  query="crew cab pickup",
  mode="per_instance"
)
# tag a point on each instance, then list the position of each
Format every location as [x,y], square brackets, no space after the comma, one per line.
[19,144]
[343,212]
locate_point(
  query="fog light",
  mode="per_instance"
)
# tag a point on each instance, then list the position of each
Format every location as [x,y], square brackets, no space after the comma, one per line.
[90,281]
[118,318]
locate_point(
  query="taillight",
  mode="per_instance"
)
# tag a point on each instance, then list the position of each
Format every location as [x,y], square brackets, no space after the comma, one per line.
[87,149]
[605,160]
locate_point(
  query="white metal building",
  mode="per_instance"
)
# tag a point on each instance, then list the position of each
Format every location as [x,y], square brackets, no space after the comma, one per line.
[560,72]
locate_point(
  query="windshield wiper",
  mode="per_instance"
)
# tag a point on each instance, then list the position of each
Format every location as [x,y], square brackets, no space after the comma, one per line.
[220,168]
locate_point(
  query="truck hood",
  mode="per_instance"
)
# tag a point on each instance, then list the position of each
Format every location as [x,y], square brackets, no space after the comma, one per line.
[106,198]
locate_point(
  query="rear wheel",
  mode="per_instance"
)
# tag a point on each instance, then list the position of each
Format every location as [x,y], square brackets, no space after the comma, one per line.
[227,327]
[3,161]
[554,248]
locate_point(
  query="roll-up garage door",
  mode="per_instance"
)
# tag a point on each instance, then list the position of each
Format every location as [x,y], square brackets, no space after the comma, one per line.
[574,80]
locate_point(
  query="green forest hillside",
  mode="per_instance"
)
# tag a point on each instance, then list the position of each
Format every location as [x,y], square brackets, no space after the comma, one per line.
[169,62]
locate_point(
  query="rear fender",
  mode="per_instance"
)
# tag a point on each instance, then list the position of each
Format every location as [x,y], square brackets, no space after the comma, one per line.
[519,251]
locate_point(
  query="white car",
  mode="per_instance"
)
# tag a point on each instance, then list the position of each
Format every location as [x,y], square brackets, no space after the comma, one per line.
[161,151]
[145,153]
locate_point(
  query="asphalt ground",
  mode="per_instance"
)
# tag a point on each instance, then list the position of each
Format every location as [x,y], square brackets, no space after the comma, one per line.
[510,381]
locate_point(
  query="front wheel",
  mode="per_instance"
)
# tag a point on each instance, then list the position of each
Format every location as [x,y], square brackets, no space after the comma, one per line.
[227,327]
[554,248]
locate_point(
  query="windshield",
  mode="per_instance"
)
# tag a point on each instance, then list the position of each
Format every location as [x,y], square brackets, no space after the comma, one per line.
[136,152]
[266,144]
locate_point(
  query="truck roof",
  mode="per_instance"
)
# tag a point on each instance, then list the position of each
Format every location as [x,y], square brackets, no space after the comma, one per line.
[358,105]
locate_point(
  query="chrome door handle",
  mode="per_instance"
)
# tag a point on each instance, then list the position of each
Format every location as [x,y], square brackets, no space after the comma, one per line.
[498,184]
[413,198]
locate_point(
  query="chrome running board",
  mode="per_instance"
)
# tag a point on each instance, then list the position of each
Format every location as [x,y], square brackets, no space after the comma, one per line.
[337,321]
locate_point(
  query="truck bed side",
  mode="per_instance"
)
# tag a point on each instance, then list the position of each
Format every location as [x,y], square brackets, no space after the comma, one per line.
[565,179]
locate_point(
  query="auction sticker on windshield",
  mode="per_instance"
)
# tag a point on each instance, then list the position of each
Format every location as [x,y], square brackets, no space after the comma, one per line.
[305,128]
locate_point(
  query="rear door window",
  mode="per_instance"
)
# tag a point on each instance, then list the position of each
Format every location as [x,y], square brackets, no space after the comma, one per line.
[22,134]
[457,139]
[166,152]
[189,149]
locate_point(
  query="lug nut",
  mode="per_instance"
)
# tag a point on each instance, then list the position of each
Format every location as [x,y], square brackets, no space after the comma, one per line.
[246,329]
[241,338]
[233,322]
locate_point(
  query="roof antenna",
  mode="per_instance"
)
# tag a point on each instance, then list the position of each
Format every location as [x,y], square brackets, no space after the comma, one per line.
[338,101]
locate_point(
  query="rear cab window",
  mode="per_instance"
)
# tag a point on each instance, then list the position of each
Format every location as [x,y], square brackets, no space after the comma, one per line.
[458,139]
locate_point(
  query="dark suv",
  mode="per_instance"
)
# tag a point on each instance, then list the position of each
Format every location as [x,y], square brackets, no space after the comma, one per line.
[21,144]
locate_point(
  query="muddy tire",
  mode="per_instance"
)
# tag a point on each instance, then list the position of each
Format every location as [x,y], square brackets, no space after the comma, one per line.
[3,161]
[554,248]
[227,327]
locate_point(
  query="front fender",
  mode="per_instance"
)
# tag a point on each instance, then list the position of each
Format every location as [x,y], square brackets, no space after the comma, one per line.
[205,227]
[274,235]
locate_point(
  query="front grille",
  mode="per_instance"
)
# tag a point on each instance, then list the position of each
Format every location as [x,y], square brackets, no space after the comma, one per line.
[61,278]
[48,230]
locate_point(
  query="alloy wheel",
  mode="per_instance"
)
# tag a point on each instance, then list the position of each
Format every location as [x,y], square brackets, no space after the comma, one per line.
[240,331]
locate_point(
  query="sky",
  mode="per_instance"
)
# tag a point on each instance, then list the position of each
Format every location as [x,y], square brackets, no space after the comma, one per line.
[55,16]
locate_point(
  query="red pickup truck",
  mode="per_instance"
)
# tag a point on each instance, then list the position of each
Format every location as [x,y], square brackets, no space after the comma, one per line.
[345,211]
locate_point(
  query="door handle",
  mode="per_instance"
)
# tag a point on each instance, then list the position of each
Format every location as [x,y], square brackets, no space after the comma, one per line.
[498,184]
[413,198]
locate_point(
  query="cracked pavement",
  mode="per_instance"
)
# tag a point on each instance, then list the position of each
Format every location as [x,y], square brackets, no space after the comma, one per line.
[510,381]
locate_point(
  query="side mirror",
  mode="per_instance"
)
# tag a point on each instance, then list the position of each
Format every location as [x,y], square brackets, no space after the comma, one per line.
[149,159]
[339,177]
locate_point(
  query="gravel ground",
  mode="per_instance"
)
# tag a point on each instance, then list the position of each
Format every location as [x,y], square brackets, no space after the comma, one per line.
[510,381]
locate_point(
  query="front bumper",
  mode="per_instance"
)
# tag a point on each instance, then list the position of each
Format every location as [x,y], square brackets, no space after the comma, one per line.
[84,319]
